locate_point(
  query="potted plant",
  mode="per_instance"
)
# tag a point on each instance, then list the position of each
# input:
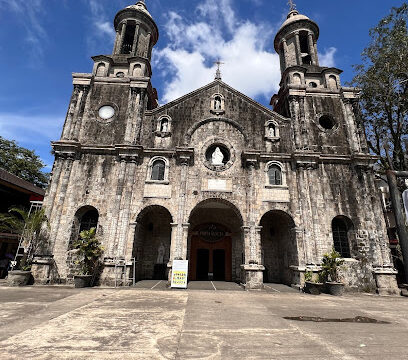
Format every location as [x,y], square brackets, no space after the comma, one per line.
[29,225]
[312,287]
[330,265]
[89,251]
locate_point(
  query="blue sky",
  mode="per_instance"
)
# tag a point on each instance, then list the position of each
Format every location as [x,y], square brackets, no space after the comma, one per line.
[43,41]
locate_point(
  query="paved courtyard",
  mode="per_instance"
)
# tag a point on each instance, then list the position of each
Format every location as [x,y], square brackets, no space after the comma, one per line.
[208,321]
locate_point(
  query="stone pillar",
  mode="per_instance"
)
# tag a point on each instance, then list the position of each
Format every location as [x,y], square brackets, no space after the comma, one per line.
[253,269]
[312,48]
[131,116]
[294,110]
[82,110]
[179,253]
[352,131]
[285,54]
[147,50]
[114,211]
[116,45]
[173,245]
[140,105]
[135,40]
[315,52]
[122,36]
[52,189]
[70,114]
[124,215]
[298,50]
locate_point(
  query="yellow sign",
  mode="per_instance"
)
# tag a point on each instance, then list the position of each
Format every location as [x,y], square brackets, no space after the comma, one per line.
[179,274]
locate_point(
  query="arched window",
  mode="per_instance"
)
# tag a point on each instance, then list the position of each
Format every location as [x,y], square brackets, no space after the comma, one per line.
[89,220]
[158,169]
[340,229]
[275,175]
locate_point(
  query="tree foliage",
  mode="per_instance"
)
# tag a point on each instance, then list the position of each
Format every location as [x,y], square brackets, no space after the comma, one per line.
[30,227]
[22,162]
[383,79]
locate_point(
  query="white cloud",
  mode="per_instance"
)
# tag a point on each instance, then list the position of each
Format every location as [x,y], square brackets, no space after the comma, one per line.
[250,66]
[102,34]
[30,13]
[26,128]
[327,58]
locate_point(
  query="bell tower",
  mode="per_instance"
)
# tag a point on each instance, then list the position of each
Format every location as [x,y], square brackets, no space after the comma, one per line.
[324,114]
[296,41]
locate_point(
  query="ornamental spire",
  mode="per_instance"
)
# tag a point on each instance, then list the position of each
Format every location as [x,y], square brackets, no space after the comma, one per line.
[218,73]
[292,5]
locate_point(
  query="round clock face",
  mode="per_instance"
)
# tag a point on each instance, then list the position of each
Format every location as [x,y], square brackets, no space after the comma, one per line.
[106,112]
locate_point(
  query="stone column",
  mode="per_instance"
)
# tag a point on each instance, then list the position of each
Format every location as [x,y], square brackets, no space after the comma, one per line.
[114,210]
[52,189]
[135,40]
[124,216]
[147,50]
[294,110]
[298,50]
[116,45]
[181,238]
[80,112]
[315,52]
[133,102]
[70,114]
[312,48]
[140,104]
[351,128]
[122,36]
[253,268]
[285,54]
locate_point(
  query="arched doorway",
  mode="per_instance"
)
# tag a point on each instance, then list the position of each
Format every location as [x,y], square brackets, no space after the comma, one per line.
[151,247]
[279,247]
[215,244]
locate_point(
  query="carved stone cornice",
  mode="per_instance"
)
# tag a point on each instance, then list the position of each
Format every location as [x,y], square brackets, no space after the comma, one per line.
[251,158]
[66,149]
[305,160]
[129,153]
[185,156]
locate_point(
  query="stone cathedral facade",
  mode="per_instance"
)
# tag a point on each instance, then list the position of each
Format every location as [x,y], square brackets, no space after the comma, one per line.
[245,193]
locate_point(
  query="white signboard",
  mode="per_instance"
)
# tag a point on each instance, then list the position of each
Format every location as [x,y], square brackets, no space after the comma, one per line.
[179,274]
[405,199]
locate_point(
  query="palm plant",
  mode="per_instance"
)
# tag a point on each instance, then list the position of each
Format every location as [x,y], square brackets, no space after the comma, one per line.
[89,251]
[330,265]
[29,226]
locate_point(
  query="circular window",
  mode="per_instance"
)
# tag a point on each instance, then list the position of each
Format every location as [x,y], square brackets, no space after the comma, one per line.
[326,122]
[217,155]
[106,112]
[120,74]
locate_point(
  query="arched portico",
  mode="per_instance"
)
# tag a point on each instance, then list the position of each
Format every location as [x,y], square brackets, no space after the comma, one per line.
[152,242]
[215,241]
[279,251]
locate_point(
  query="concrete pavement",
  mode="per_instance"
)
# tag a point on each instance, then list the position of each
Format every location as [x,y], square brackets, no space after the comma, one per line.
[144,323]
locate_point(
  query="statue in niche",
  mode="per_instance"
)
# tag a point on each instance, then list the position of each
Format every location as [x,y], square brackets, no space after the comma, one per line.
[164,126]
[160,254]
[271,132]
[217,157]
[217,103]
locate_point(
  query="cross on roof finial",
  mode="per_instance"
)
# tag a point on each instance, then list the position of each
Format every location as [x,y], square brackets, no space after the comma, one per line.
[292,5]
[218,73]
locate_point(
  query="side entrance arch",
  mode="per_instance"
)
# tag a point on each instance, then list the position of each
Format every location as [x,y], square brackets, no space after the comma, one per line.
[279,247]
[151,247]
[215,243]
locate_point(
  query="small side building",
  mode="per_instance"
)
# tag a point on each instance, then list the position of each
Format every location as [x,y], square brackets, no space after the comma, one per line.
[15,191]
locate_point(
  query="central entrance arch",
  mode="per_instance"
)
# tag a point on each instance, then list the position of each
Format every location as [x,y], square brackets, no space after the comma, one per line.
[215,243]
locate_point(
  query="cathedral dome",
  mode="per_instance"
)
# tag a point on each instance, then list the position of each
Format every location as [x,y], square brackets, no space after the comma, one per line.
[293,17]
[139,6]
